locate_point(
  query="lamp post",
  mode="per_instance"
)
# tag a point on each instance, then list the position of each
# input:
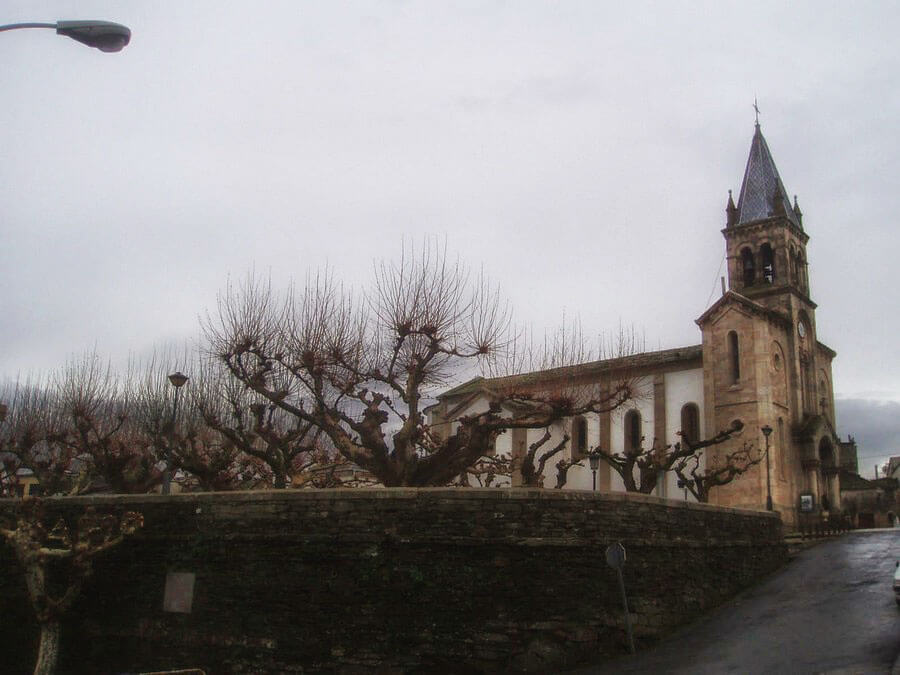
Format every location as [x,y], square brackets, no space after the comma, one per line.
[178,380]
[103,35]
[767,431]
[594,460]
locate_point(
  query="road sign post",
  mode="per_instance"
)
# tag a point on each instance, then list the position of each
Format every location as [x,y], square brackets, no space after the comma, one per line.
[615,558]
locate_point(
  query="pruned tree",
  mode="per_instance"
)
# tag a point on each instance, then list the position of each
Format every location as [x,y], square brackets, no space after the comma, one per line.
[532,463]
[641,467]
[726,466]
[94,408]
[65,552]
[487,471]
[34,436]
[362,369]
[550,383]
[180,436]
[254,426]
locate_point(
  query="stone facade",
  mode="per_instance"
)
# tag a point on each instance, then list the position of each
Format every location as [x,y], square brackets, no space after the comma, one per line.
[760,362]
[392,580]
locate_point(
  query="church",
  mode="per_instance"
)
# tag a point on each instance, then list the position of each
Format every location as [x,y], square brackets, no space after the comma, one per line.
[759,362]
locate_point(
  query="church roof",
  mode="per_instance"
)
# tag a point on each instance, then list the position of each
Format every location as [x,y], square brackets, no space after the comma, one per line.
[762,192]
[645,360]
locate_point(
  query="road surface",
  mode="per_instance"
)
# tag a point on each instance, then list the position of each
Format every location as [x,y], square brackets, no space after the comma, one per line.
[830,610]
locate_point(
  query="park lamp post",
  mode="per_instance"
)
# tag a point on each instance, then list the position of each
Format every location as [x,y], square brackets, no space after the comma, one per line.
[767,431]
[594,460]
[178,380]
[103,35]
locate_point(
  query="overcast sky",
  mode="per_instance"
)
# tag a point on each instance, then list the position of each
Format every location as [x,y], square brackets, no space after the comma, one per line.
[580,152]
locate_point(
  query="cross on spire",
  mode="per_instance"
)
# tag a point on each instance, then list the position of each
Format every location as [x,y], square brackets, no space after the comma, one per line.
[756,108]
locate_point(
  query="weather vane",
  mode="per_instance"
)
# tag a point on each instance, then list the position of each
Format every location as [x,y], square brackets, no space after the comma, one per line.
[756,108]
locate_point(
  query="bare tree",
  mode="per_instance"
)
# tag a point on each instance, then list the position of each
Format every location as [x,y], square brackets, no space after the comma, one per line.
[548,384]
[726,466]
[180,436]
[42,550]
[532,464]
[95,412]
[34,436]
[254,426]
[640,467]
[487,471]
[362,370]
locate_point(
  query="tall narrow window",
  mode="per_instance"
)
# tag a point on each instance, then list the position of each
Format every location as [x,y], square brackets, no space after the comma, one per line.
[748,267]
[767,257]
[632,430]
[690,423]
[734,356]
[579,438]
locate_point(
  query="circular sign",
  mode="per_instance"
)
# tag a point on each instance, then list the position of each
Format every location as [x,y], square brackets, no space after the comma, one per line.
[615,556]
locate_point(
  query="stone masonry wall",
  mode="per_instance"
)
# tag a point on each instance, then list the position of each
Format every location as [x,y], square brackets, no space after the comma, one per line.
[395,580]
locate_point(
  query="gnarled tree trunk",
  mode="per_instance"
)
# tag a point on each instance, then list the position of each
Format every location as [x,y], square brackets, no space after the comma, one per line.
[48,652]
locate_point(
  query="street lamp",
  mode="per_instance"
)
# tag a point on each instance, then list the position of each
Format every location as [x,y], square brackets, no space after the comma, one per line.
[594,459]
[767,431]
[178,380]
[103,35]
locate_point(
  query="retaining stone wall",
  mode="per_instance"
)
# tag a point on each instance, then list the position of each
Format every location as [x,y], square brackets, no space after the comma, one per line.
[394,580]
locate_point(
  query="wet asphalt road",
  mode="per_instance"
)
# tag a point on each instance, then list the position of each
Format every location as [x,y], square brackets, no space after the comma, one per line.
[831,609]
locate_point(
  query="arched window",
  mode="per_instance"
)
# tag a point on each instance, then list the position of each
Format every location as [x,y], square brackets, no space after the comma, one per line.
[734,357]
[579,438]
[767,258]
[690,423]
[748,267]
[632,430]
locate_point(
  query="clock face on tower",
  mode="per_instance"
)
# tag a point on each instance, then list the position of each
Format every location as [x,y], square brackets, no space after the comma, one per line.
[801,329]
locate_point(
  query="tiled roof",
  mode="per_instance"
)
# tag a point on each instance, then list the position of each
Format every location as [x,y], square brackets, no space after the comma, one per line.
[762,186]
[635,361]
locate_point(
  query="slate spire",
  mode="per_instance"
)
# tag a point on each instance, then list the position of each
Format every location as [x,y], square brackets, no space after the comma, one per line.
[762,192]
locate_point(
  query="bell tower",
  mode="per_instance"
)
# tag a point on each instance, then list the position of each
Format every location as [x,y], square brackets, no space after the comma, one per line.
[763,364]
[767,263]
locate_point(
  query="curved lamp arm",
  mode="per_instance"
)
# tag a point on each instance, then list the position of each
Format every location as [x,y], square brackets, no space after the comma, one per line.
[103,35]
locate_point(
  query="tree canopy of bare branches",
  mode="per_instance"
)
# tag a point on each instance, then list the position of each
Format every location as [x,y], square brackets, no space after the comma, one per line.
[640,467]
[362,368]
[724,468]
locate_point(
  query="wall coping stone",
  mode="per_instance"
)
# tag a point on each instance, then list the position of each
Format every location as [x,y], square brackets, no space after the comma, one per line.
[402,493]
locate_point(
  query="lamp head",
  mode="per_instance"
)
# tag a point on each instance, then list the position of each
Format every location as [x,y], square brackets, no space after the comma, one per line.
[103,35]
[178,379]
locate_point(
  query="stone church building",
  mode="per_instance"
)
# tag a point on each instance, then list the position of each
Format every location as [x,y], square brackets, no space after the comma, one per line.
[759,361]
